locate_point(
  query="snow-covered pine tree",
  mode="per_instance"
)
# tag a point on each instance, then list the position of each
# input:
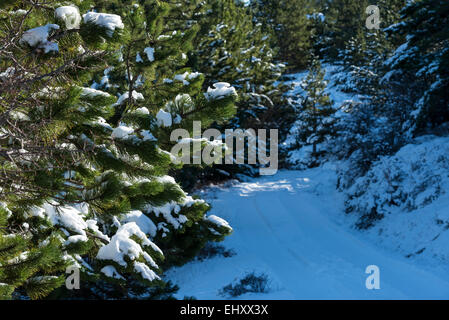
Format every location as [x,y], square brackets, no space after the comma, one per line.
[390,13]
[421,63]
[316,119]
[371,126]
[40,103]
[43,64]
[99,162]
[156,95]
[27,269]
[366,51]
[231,46]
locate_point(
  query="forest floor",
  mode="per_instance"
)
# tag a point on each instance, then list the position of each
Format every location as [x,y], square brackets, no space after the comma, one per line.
[292,228]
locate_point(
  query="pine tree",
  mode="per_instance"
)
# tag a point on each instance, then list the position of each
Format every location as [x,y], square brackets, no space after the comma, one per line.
[421,63]
[372,125]
[315,118]
[232,47]
[91,174]
[42,68]
[156,94]
[345,19]
[292,24]
[27,269]
[390,12]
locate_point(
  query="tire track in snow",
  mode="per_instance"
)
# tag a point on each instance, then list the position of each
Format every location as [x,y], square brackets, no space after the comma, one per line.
[277,237]
[284,228]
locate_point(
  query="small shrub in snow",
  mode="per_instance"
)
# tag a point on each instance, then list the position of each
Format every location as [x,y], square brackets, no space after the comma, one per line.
[251,283]
[212,250]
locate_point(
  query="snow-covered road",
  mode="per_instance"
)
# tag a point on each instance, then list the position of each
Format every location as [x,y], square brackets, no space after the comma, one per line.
[291,227]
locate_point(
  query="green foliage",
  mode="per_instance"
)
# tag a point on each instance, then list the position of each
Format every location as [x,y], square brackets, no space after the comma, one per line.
[316,113]
[250,283]
[234,47]
[344,20]
[25,266]
[293,26]
[422,61]
[79,164]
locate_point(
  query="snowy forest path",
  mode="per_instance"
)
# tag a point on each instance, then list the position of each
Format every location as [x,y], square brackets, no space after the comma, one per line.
[286,227]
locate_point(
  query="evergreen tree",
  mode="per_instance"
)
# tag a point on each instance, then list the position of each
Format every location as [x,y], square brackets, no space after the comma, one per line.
[390,12]
[231,46]
[27,269]
[92,172]
[156,94]
[421,63]
[371,126]
[365,53]
[42,69]
[316,116]
[366,131]
[345,19]
[292,24]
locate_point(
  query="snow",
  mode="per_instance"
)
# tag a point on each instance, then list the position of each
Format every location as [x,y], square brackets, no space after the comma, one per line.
[220,90]
[166,179]
[20,12]
[409,189]
[122,132]
[293,228]
[124,97]
[5,208]
[70,15]
[111,272]
[219,222]
[71,218]
[8,73]
[143,222]
[76,239]
[189,201]
[122,245]
[164,119]
[414,177]
[150,53]
[143,110]
[145,272]
[38,37]
[105,20]
[92,225]
[102,122]
[317,16]
[92,93]
[183,77]
[177,119]
[166,212]
[21,257]
[147,136]
[17,115]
